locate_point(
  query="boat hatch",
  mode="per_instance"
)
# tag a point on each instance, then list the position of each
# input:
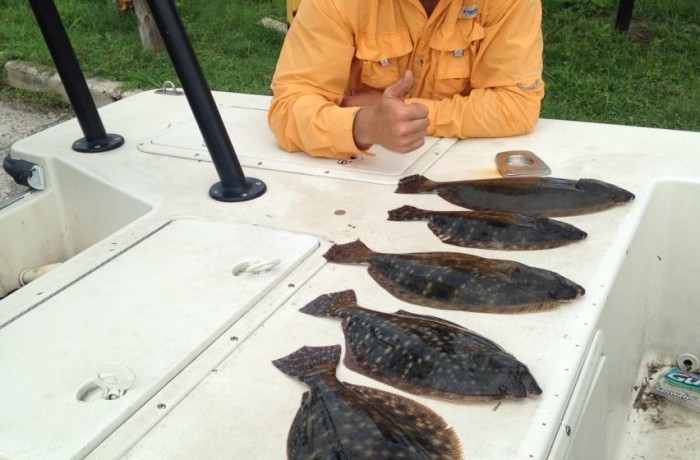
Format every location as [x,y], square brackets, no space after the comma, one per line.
[257,148]
[143,315]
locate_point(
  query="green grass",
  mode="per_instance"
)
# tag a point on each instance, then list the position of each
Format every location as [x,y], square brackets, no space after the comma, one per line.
[647,77]
[236,53]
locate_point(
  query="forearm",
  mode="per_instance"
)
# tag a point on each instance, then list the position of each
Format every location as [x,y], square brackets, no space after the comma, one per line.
[489,112]
[314,125]
[305,113]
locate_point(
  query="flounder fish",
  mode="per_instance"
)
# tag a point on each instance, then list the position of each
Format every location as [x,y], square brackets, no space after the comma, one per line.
[537,196]
[493,229]
[424,355]
[338,420]
[456,281]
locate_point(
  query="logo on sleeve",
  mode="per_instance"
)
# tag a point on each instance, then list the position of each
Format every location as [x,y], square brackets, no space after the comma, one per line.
[534,85]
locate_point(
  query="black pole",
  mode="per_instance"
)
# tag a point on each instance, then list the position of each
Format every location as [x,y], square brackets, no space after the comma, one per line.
[624,15]
[234,186]
[96,138]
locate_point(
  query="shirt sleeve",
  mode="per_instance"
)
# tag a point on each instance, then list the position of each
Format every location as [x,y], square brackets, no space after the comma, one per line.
[310,82]
[506,79]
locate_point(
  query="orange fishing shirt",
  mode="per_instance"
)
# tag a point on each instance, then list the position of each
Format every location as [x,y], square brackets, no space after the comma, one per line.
[477,66]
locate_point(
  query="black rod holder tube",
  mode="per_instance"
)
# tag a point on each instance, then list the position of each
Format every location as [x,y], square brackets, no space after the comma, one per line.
[624,15]
[234,186]
[96,138]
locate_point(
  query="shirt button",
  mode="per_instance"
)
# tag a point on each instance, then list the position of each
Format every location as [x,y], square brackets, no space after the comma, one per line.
[419,62]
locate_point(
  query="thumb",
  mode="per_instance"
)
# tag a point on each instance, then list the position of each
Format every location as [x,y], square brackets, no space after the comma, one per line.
[401,86]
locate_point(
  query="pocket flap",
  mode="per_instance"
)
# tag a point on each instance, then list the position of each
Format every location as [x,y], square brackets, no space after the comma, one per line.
[384,46]
[460,36]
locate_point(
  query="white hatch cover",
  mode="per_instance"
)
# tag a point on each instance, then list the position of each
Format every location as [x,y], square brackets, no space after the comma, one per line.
[77,366]
[256,148]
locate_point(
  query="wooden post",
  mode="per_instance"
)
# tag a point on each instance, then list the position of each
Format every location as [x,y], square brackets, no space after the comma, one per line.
[150,36]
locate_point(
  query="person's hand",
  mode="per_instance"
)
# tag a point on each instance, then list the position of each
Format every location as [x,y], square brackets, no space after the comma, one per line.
[390,122]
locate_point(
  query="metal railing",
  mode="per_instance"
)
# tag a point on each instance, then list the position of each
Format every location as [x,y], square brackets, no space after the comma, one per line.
[233,185]
[96,138]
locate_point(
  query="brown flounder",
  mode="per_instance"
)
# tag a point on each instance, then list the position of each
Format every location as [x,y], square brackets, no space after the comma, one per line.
[456,281]
[493,229]
[537,196]
[338,420]
[424,355]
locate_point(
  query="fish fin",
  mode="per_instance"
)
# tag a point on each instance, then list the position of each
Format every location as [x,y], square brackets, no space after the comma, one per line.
[419,422]
[406,213]
[461,241]
[408,314]
[352,362]
[309,361]
[348,253]
[298,437]
[444,236]
[416,184]
[519,308]
[328,305]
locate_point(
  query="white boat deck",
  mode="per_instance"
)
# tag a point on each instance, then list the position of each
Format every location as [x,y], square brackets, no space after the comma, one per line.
[147,282]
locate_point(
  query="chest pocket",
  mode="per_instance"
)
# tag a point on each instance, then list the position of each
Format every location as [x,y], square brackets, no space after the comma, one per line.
[384,57]
[452,54]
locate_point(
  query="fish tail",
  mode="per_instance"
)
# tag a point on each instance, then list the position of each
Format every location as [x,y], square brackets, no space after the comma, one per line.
[406,213]
[309,361]
[329,305]
[348,253]
[416,184]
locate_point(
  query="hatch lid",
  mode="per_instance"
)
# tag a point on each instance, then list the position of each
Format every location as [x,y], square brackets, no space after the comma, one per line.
[256,147]
[151,309]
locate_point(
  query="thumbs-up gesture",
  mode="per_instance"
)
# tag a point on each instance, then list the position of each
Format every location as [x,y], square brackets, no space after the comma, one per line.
[391,122]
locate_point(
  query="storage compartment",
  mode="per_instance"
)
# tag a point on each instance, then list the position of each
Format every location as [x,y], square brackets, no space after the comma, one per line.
[651,317]
[45,227]
[257,148]
[76,366]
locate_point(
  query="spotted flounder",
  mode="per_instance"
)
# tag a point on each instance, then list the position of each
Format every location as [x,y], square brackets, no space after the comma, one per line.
[456,281]
[493,229]
[424,355]
[537,196]
[338,420]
